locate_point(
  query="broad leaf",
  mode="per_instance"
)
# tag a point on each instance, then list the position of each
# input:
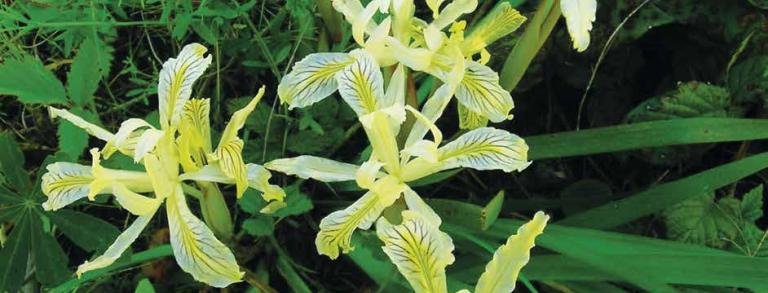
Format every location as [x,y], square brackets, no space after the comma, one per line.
[28,79]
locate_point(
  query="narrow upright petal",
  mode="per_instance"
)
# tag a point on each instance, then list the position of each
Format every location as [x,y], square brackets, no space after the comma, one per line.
[419,250]
[579,15]
[453,11]
[176,80]
[501,21]
[312,79]
[196,249]
[501,272]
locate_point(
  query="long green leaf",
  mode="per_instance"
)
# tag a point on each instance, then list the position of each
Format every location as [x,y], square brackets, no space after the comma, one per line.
[88,232]
[645,135]
[659,197]
[14,256]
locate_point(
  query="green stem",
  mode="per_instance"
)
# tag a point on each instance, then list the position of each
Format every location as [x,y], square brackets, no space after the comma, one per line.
[536,33]
[331,19]
[215,210]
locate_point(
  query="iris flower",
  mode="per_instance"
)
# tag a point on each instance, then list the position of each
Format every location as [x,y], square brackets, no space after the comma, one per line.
[390,168]
[184,140]
[422,46]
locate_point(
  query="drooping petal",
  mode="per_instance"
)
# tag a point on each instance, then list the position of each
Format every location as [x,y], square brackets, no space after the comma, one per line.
[258,178]
[361,83]
[309,167]
[336,229]
[90,128]
[419,250]
[453,11]
[126,137]
[196,122]
[501,272]
[579,15]
[481,93]
[367,173]
[135,203]
[146,143]
[501,21]
[402,14]
[196,249]
[117,248]
[176,80]
[64,183]
[486,149]
[230,159]
[469,119]
[312,79]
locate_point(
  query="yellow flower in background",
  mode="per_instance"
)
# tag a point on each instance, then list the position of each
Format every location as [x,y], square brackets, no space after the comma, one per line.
[579,16]
[421,252]
[390,168]
[183,140]
[400,37]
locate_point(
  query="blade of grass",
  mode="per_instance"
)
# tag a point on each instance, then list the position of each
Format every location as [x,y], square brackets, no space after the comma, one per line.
[654,199]
[645,135]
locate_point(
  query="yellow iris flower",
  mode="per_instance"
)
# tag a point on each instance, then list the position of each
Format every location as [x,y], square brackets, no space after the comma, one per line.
[400,37]
[182,140]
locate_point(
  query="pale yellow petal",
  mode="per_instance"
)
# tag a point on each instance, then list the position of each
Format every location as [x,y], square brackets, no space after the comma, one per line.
[501,272]
[126,138]
[486,149]
[196,123]
[367,173]
[579,15]
[239,117]
[312,79]
[453,11]
[135,203]
[90,128]
[309,167]
[122,243]
[469,119]
[501,21]
[258,178]
[361,83]
[64,183]
[176,80]
[481,93]
[419,250]
[230,159]
[196,249]
[146,143]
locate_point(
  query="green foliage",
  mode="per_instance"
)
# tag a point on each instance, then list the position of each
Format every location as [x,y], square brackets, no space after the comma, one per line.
[691,99]
[29,80]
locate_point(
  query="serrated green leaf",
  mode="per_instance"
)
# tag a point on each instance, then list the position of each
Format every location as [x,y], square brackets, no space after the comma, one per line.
[88,232]
[745,80]
[181,24]
[690,99]
[12,163]
[83,77]
[296,202]
[50,259]
[145,286]
[15,254]
[29,80]
[259,225]
[752,204]
[698,221]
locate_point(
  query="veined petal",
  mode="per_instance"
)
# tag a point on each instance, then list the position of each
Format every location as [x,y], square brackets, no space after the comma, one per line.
[480,92]
[230,159]
[579,15]
[361,83]
[238,119]
[90,128]
[453,11]
[196,122]
[336,229]
[415,203]
[402,13]
[312,79]
[395,94]
[64,183]
[117,248]
[432,109]
[486,149]
[501,272]
[309,167]
[501,21]
[381,127]
[176,79]
[163,179]
[196,249]
[377,44]
[126,137]
[418,59]
[419,250]
[469,119]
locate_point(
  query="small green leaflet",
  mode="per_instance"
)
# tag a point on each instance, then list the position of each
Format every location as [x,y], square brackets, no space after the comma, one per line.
[491,211]
[83,77]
